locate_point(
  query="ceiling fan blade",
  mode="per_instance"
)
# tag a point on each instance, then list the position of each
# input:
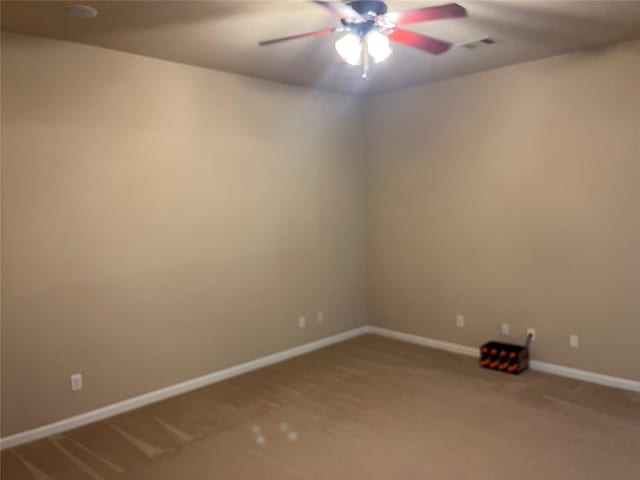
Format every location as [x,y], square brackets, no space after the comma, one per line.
[451,10]
[295,37]
[341,10]
[421,42]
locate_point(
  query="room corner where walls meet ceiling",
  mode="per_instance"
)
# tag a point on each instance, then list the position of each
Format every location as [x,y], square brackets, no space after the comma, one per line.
[224,35]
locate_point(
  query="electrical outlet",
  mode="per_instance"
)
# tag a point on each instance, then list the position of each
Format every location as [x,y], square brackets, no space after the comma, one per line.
[504,329]
[76,382]
[460,321]
[302,322]
[574,341]
[320,317]
[532,332]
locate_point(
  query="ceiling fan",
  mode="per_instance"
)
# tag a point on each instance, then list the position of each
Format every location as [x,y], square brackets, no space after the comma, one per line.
[369,28]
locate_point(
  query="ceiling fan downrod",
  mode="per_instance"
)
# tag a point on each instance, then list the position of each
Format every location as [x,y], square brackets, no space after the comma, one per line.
[365,59]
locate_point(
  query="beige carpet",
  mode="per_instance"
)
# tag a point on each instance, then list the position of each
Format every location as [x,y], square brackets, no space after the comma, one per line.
[370,408]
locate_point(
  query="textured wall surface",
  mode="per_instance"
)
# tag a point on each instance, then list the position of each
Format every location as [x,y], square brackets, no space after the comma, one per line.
[161,222]
[512,196]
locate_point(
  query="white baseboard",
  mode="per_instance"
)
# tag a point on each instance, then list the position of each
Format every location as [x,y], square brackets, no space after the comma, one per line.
[425,341]
[173,390]
[586,376]
[199,382]
[574,373]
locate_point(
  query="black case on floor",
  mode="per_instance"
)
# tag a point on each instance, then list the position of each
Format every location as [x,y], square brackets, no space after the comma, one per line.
[505,357]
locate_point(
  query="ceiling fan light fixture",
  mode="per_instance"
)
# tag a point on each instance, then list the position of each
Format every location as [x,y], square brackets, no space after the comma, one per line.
[349,47]
[378,46]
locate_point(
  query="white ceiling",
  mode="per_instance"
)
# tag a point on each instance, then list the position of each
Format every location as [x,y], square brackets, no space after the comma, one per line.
[224,35]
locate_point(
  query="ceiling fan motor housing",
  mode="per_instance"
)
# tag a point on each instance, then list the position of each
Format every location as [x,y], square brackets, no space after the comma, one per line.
[364,7]
[369,9]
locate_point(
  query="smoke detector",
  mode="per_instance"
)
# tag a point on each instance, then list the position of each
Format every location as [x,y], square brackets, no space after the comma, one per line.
[80,11]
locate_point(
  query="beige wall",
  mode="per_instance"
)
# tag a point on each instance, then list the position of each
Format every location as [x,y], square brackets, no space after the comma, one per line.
[162,221]
[513,196]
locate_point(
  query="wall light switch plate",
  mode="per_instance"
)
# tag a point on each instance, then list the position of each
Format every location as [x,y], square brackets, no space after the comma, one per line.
[302,322]
[504,329]
[76,382]
[320,317]
[574,341]
[532,332]
[460,321]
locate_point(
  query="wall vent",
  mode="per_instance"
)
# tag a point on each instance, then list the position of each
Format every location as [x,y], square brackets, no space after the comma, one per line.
[478,43]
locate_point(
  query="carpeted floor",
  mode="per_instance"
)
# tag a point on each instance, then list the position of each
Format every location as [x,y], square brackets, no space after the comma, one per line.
[369,408]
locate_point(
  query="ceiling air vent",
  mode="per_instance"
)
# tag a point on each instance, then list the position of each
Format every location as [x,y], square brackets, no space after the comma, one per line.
[478,43]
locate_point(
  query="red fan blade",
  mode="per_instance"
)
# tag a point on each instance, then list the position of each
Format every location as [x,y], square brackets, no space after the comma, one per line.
[451,10]
[421,42]
[294,37]
[341,10]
